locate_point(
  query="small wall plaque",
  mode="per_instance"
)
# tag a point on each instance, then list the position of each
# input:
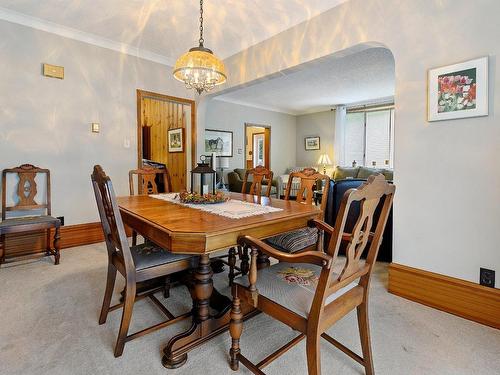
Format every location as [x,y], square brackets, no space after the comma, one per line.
[53,71]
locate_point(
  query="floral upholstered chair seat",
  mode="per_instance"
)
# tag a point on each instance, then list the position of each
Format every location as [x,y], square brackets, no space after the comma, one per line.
[292,285]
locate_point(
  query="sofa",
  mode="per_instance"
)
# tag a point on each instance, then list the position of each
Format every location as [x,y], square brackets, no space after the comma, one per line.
[340,173]
[335,194]
[236,177]
[344,173]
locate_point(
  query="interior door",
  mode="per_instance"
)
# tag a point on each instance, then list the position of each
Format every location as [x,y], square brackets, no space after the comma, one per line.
[258,149]
[159,114]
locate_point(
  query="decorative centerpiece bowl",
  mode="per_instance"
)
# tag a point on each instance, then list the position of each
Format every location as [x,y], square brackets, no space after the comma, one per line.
[195,198]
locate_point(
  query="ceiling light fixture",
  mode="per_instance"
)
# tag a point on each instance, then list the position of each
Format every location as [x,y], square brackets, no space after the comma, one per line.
[199,68]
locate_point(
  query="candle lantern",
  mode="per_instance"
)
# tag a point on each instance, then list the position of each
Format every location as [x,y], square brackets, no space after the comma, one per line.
[203,170]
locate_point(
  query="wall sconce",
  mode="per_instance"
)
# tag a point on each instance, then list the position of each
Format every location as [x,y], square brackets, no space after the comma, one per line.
[95,127]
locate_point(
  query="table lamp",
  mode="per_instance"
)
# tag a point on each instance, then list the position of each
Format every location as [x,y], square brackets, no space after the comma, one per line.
[324,160]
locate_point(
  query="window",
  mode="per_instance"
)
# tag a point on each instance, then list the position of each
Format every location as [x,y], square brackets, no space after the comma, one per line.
[369,137]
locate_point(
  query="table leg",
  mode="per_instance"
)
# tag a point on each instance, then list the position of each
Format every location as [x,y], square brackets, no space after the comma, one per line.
[175,353]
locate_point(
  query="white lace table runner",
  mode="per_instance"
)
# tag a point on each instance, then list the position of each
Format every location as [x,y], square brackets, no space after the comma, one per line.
[232,209]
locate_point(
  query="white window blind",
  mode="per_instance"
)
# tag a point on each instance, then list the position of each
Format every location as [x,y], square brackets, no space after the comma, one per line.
[355,138]
[369,138]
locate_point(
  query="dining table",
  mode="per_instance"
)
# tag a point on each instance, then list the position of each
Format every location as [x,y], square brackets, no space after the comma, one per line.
[188,230]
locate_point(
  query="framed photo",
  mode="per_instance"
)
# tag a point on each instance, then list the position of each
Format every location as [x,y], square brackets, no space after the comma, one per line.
[312,143]
[175,140]
[458,91]
[219,141]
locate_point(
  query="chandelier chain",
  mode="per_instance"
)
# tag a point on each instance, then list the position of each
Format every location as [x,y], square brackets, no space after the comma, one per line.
[201,23]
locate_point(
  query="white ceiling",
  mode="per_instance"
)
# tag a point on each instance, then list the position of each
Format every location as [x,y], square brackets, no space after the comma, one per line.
[161,30]
[365,76]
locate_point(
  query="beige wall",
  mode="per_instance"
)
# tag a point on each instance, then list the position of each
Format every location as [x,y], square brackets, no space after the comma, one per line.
[216,114]
[445,216]
[46,121]
[320,124]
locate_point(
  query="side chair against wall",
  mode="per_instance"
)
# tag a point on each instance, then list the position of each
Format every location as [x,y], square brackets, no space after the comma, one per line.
[255,177]
[26,204]
[303,290]
[136,263]
[308,238]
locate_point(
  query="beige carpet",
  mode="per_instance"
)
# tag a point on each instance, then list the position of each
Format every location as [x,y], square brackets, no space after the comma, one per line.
[48,325]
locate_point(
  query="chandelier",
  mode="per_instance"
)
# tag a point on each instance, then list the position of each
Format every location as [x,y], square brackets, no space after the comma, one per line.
[199,68]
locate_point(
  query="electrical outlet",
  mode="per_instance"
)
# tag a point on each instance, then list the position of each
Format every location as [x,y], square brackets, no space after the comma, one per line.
[487,277]
[61,219]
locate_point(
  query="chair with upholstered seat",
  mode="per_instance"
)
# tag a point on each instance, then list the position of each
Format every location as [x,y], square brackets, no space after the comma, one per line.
[255,177]
[253,183]
[307,291]
[136,263]
[310,237]
[148,179]
[39,218]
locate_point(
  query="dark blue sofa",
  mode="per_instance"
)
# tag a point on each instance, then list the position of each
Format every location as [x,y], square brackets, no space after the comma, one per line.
[335,194]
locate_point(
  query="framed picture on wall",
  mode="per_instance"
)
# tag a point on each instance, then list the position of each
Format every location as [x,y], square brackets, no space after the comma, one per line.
[458,90]
[219,141]
[175,140]
[312,143]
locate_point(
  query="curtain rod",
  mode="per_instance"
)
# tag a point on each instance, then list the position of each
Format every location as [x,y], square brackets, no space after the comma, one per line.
[370,108]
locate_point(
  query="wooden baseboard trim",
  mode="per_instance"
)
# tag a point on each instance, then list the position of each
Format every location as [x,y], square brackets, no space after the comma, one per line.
[35,242]
[463,298]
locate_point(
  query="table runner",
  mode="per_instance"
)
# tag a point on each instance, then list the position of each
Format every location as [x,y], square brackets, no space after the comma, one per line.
[233,209]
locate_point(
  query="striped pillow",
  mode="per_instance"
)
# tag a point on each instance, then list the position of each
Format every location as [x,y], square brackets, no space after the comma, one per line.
[294,241]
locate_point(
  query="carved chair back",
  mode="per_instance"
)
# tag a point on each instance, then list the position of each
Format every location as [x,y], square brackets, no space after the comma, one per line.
[111,220]
[26,189]
[259,174]
[374,192]
[146,179]
[310,179]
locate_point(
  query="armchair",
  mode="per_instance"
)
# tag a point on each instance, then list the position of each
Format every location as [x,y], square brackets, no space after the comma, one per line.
[304,290]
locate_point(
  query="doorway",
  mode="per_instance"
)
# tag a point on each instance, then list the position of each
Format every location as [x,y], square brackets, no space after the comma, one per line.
[257,146]
[166,134]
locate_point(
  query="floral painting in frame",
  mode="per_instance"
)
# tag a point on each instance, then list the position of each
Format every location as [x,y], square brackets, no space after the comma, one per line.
[458,91]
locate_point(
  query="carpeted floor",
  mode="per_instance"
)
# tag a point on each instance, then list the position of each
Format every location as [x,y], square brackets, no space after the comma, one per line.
[48,325]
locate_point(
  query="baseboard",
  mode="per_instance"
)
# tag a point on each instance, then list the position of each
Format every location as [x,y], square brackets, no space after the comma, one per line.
[463,298]
[35,242]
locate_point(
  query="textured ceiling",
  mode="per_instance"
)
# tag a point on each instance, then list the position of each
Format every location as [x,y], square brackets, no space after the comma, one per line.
[168,27]
[357,78]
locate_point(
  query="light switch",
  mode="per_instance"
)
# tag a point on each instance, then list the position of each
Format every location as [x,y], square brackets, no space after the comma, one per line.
[240,151]
[95,127]
[126,143]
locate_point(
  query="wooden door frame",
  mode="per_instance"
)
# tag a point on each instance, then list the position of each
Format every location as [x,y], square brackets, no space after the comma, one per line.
[141,94]
[252,125]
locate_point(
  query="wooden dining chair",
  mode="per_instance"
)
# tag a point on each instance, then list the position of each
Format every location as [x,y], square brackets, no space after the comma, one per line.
[147,184]
[307,238]
[256,176]
[148,181]
[304,292]
[39,218]
[136,263]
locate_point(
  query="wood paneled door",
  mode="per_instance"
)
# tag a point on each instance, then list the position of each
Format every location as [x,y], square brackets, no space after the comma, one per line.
[156,115]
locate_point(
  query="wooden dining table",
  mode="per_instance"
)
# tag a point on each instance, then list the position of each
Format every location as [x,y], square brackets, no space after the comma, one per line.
[187,230]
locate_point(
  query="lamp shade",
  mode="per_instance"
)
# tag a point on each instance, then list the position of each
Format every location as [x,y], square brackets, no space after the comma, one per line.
[224,163]
[324,159]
